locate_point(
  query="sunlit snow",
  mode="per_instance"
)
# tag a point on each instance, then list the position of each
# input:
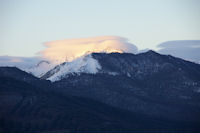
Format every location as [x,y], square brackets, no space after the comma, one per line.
[85,64]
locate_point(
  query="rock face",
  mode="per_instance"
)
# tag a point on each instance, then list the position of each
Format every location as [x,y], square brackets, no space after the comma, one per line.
[141,93]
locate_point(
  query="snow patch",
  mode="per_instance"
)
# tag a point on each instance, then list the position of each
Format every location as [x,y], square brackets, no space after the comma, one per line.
[113,73]
[128,75]
[84,64]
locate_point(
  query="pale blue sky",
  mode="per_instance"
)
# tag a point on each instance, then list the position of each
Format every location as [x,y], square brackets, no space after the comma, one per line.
[26,24]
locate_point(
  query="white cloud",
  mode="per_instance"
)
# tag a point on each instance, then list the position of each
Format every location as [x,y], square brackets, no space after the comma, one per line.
[69,49]
[186,49]
[20,62]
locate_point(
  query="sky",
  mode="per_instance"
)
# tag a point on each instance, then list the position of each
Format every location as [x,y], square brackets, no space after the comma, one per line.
[26,25]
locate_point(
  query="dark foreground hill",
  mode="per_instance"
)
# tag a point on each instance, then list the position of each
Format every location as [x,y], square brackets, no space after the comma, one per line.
[145,93]
[25,108]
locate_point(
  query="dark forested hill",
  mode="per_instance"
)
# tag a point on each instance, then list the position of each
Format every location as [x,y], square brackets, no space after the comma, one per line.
[150,83]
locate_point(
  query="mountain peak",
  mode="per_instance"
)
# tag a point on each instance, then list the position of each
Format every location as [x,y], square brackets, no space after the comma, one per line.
[127,64]
[150,52]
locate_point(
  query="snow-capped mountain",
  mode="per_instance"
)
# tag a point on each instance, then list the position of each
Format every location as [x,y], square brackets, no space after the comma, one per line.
[149,83]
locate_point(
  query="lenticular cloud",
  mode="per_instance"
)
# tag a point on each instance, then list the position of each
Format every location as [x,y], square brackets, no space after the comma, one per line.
[69,49]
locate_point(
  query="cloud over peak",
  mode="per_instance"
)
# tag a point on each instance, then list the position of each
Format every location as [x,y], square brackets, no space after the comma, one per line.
[69,49]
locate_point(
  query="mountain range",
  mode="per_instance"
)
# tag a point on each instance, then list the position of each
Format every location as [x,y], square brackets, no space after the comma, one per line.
[103,92]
